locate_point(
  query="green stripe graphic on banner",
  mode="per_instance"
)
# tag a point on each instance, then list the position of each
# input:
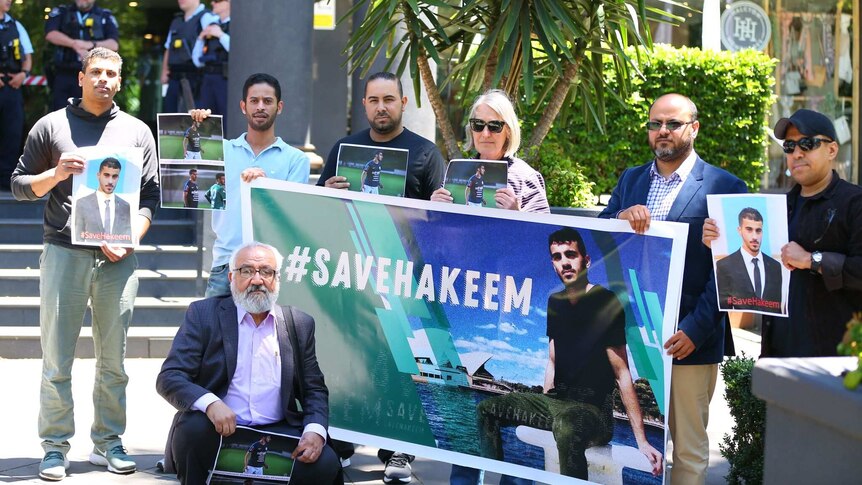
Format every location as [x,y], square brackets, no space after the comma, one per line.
[356,330]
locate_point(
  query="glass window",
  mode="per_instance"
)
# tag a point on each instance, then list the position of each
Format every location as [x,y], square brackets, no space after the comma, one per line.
[813,40]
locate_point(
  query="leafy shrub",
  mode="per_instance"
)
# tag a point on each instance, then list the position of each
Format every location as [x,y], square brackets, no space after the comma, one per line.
[566,180]
[744,448]
[733,93]
[851,345]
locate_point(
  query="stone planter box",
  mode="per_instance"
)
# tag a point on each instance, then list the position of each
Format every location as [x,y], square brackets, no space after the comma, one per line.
[813,424]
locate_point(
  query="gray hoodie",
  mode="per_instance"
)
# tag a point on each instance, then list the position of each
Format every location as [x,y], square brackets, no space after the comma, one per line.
[65,130]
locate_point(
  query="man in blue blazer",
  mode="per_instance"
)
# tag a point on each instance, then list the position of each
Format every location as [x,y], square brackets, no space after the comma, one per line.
[234,361]
[673,187]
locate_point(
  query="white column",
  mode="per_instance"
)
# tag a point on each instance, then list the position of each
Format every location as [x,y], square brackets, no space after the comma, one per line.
[418,120]
[711,26]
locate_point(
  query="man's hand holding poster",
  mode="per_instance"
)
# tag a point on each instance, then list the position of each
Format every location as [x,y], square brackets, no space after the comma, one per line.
[526,344]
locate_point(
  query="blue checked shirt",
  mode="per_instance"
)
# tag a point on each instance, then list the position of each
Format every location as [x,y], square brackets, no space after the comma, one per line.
[663,191]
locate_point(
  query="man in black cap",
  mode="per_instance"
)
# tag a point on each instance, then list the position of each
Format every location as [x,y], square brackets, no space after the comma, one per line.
[825,249]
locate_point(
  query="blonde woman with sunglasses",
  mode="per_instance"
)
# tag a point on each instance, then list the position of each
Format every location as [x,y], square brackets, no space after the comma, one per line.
[494,133]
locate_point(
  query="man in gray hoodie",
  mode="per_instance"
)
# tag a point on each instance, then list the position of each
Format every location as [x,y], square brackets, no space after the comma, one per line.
[71,275]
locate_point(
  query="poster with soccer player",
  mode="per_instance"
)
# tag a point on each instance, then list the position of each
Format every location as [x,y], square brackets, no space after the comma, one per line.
[749,275]
[182,138]
[106,196]
[373,170]
[490,339]
[191,162]
[474,182]
[253,456]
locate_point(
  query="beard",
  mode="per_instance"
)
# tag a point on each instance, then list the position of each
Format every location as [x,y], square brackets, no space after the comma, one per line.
[673,152]
[257,125]
[256,298]
[384,125]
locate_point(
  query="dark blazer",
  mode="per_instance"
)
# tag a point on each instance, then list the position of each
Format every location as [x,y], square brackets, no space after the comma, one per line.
[699,316]
[88,217]
[203,359]
[733,281]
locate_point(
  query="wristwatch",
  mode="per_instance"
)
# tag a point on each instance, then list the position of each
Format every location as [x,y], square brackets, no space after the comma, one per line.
[816,259]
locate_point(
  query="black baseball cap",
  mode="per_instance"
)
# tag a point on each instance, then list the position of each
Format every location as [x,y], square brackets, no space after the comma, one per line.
[808,122]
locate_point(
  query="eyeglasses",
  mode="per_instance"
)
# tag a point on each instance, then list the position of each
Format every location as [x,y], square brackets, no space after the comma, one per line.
[494,126]
[247,272]
[806,144]
[672,125]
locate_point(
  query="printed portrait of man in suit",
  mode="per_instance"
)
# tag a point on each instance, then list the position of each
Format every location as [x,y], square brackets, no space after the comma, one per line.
[103,215]
[749,279]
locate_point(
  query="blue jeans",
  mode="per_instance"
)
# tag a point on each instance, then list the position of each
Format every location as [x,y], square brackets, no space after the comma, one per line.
[462,475]
[217,284]
[68,278]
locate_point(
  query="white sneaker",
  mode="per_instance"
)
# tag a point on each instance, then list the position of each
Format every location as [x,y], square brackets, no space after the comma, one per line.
[397,469]
[53,466]
[115,459]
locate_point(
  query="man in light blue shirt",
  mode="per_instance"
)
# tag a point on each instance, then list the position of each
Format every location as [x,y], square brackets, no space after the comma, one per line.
[256,153]
[15,64]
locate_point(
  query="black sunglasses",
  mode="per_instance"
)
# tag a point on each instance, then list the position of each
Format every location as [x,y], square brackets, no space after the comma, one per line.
[671,125]
[494,126]
[806,144]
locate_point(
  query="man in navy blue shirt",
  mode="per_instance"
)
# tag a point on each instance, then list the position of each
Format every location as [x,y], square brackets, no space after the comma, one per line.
[475,190]
[73,30]
[371,175]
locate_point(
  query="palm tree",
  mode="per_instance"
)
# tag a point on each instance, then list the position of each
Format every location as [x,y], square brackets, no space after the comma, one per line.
[508,44]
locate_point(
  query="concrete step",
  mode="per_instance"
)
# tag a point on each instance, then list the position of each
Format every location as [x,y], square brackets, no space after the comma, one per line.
[157,284]
[165,231]
[142,342]
[23,311]
[160,258]
[16,209]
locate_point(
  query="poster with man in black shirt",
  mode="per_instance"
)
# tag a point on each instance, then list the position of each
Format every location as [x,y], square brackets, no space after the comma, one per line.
[191,154]
[373,170]
[587,323]
[254,455]
[474,182]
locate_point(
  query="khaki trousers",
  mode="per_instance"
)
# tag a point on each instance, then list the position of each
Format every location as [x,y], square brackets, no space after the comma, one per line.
[691,391]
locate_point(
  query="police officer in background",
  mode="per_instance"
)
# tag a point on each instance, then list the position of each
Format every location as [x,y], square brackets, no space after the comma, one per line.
[15,63]
[74,30]
[211,50]
[179,63]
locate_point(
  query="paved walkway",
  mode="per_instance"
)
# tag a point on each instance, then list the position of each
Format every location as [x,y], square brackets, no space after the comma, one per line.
[149,416]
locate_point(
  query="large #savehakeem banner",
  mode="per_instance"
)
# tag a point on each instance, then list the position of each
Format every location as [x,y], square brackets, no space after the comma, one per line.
[443,330]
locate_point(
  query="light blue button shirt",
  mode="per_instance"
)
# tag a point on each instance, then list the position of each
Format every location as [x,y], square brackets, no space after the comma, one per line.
[24,39]
[280,161]
[224,40]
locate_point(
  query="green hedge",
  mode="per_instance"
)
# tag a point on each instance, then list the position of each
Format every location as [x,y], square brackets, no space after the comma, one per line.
[733,93]
[743,449]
